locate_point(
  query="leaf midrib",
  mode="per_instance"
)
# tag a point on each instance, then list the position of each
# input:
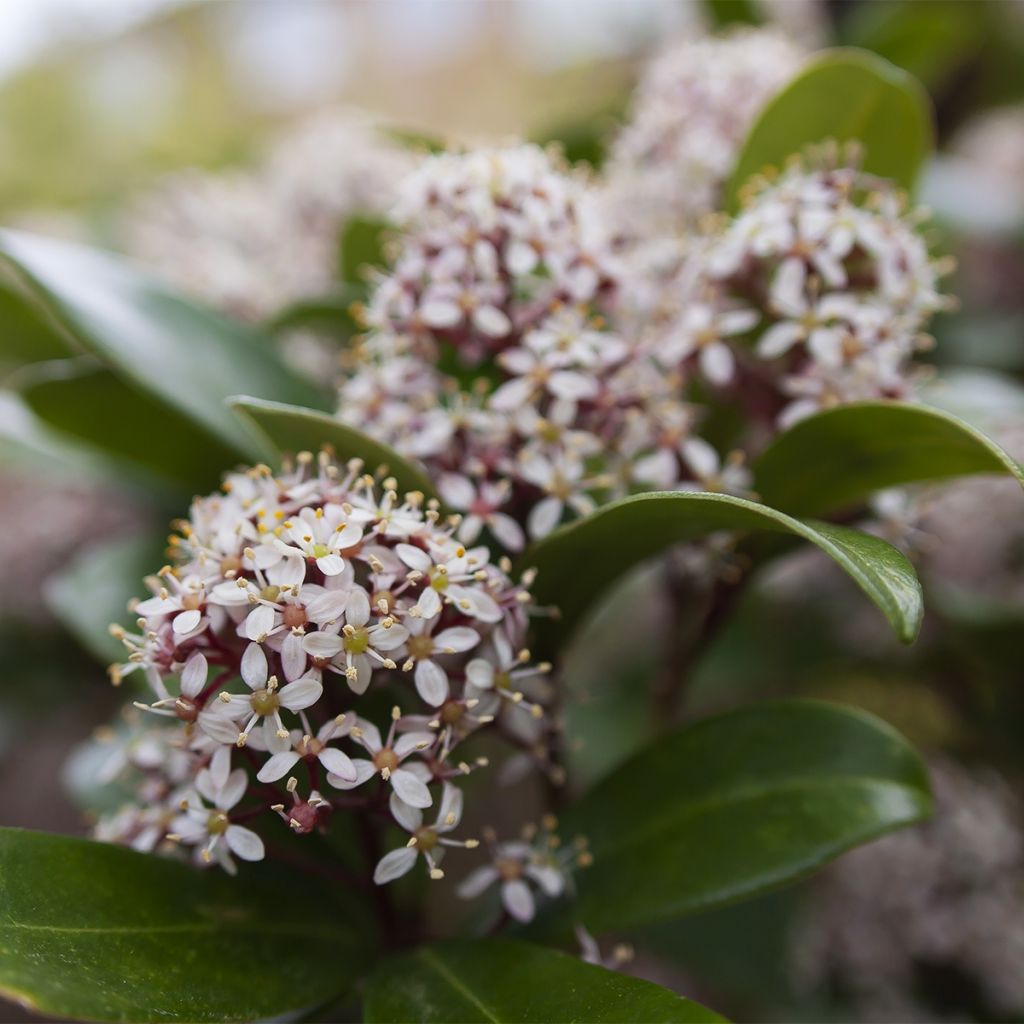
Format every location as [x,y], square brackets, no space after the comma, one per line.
[445,972]
[248,927]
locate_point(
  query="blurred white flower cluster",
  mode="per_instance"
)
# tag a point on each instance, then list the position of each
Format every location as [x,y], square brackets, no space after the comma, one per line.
[691,112]
[503,255]
[289,598]
[817,293]
[947,895]
[253,242]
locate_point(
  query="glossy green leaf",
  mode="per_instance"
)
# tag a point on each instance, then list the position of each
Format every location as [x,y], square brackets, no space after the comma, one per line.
[362,247]
[843,94]
[85,400]
[579,560]
[327,314]
[739,804]
[290,428]
[841,456]
[497,980]
[96,932]
[24,336]
[187,359]
[94,590]
[723,13]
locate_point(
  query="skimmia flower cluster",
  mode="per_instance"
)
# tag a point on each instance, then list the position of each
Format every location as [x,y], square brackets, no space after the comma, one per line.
[691,112]
[820,290]
[500,258]
[291,601]
[253,242]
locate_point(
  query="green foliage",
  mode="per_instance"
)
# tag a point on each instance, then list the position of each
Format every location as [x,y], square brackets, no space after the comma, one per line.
[184,359]
[738,804]
[841,456]
[494,980]
[931,39]
[89,402]
[95,589]
[293,429]
[724,13]
[97,932]
[362,247]
[843,94]
[578,561]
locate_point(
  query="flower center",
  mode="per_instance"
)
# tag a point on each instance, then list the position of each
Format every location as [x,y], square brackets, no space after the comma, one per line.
[357,641]
[217,823]
[321,550]
[426,839]
[509,870]
[264,702]
[439,580]
[385,759]
[270,593]
[451,712]
[294,616]
[192,602]
[420,647]
[502,681]
[186,709]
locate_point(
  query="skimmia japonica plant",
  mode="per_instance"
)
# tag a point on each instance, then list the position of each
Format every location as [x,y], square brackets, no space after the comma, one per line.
[345,772]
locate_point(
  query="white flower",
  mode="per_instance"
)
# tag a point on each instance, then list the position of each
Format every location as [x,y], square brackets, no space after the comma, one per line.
[360,644]
[210,827]
[482,506]
[387,757]
[423,650]
[426,840]
[222,719]
[286,752]
[515,865]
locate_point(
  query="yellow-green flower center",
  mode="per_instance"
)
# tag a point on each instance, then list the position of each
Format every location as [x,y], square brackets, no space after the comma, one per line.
[264,702]
[358,641]
[217,823]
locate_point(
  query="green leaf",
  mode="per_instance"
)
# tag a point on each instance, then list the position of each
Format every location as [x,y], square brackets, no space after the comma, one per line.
[24,337]
[362,246]
[496,980]
[732,12]
[580,560]
[95,589]
[932,39]
[290,428]
[185,358]
[329,314]
[843,94]
[739,804]
[85,400]
[841,456]
[97,932]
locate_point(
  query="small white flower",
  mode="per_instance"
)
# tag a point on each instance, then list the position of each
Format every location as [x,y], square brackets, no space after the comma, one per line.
[429,840]
[210,827]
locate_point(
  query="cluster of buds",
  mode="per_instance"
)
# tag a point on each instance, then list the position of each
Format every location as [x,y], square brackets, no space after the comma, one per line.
[820,288]
[289,598]
[569,411]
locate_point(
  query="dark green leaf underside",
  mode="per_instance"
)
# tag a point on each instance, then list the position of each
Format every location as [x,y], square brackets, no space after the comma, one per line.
[186,358]
[578,561]
[293,429]
[739,804]
[841,456]
[96,932]
[498,980]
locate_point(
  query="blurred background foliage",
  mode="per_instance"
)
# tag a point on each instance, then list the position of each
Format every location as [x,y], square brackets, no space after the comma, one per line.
[95,106]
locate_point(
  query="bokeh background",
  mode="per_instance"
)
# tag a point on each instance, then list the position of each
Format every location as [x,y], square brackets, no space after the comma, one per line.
[112,112]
